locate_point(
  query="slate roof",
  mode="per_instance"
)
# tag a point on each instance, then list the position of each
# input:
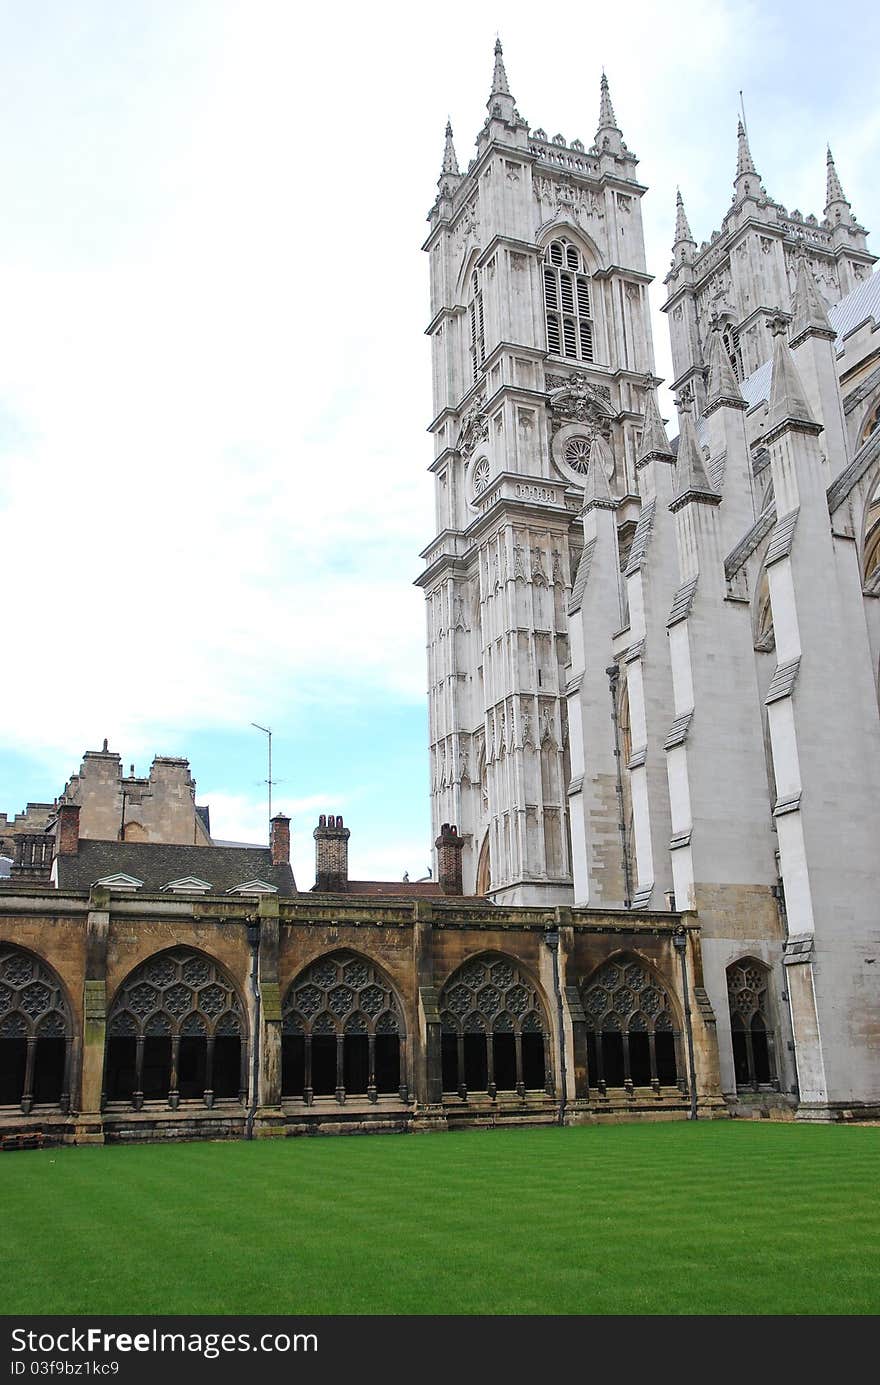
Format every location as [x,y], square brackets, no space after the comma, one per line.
[158,864]
[849,313]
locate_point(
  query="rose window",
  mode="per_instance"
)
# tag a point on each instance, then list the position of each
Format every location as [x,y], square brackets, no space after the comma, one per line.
[577,454]
[482,473]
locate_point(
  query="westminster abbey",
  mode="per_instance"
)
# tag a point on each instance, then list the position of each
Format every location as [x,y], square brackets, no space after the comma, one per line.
[654,735]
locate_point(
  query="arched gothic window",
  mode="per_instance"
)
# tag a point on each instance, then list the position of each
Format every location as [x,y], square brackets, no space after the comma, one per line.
[730,338]
[494,1031]
[36,1034]
[567,303]
[478,332]
[342,1032]
[871,560]
[632,1040]
[175,1032]
[751,1029]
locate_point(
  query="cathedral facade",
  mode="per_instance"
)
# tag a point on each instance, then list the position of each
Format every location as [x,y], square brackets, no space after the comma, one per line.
[653,664]
[654,737]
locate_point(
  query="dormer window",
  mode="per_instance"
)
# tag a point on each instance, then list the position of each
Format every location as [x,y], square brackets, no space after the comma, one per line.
[478,335]
[188,884]
[120,883]
[252,887]
[567,303]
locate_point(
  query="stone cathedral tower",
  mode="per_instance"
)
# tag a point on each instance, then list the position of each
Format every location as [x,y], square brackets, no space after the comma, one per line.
[541,345]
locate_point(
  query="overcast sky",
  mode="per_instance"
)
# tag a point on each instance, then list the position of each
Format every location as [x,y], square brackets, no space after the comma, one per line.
[214,383]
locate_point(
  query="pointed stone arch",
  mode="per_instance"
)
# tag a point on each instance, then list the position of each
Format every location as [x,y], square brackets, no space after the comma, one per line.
[634,1025]
[36,1033]
[176,1031]
[495,1030]
[752,1025]
[343,1031]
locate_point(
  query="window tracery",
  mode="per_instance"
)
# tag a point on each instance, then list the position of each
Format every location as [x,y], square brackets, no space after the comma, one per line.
[750,1025]
[632,1039]
[567,302]
[494,1032]
[36,1033]
[342,1032]
[175,1032]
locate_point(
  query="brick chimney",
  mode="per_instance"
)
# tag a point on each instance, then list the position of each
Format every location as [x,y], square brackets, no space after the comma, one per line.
[331,855]
[449,847]
[279,840]
[68,829]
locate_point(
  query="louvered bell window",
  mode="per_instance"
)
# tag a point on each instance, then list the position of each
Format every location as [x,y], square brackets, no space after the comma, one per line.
[567,303]
[478,335]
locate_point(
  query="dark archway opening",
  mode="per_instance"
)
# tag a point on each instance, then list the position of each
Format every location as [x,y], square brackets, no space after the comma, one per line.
[667,1068]
[293,1064]
[504,1061]
[324,1064]
[387,1062]
[476,1068]
[449,1062]
[192,1067]
[639,1060]
[13,1062]
[534,1062]
[356,1063]
[227,1076]
[49,1064]
[121,1068]
[157,1068]
[612,1058]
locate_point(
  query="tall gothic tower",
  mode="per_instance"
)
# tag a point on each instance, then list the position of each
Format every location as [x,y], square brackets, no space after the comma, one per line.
[745,274]
[541,344]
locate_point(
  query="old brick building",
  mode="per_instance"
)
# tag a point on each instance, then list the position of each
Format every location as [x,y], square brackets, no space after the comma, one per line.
[155,990]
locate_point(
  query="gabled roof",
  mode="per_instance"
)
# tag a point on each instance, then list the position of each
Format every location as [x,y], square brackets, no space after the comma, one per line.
[157,865]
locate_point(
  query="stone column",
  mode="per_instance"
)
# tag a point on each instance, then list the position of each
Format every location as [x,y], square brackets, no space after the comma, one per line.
[270,1016]
[426,1051]
[89,1125]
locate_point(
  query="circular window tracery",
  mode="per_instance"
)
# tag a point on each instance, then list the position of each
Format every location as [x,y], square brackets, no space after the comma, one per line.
[482,475]
[576,453]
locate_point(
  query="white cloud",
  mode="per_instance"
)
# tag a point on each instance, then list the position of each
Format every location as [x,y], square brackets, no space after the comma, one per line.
[212,357]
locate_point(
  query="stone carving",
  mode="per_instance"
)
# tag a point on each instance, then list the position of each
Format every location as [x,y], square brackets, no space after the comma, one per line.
[576,399]
[474,429]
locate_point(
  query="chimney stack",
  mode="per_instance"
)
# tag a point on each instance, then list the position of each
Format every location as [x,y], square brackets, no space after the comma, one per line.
[449,846]
[68,829]
[331,855]
[279,840]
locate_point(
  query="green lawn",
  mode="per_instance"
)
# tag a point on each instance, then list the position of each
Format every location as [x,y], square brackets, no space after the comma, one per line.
[717,1217]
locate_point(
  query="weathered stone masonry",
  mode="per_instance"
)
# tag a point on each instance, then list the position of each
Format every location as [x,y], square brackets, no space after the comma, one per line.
[428,961]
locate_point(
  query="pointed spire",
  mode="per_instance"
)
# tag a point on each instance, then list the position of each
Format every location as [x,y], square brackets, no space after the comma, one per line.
[499,76]
[682,225]
[809,315]
[747,181]
[597,491]
[833,189]
[788,399]
[744,161]
[607,118]
[654,441]
[692,483]
[723,387]
[450,162]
